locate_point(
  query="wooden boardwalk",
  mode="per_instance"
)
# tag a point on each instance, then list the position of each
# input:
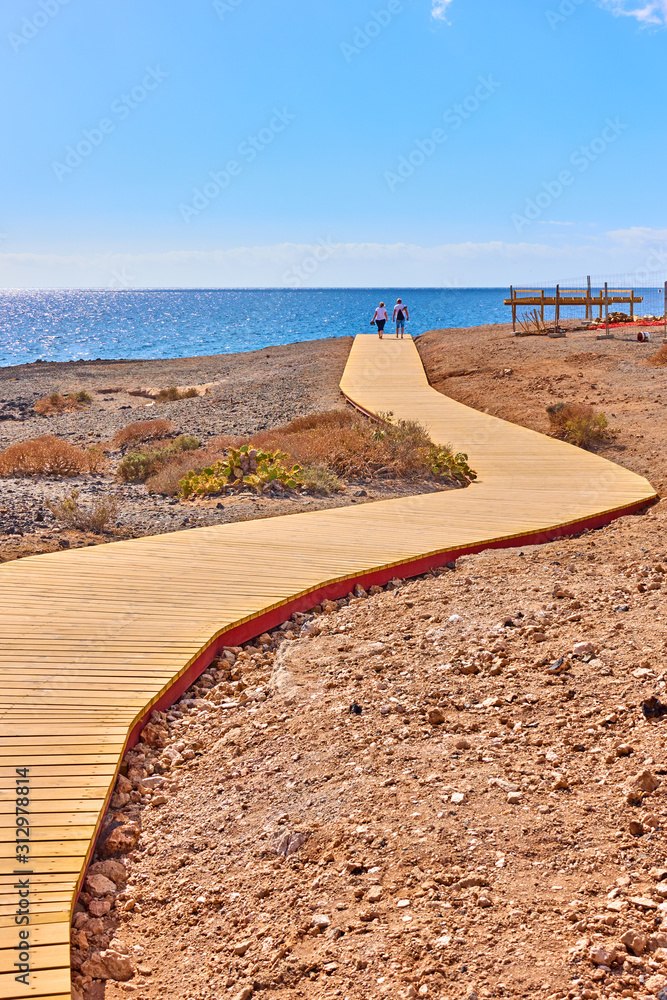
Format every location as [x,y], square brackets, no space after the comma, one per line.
[92,639]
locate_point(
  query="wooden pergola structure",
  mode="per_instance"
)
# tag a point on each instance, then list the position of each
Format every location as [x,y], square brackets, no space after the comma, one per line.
[572,297]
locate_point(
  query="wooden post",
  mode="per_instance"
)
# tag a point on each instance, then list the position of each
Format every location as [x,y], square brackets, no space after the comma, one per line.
[589,307]
[557,315]
[542,305]
[632,303]
[606,309]
[513,309]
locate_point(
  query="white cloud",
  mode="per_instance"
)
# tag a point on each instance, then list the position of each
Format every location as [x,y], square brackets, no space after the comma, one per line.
[439,9]
[650,12]
[494,263]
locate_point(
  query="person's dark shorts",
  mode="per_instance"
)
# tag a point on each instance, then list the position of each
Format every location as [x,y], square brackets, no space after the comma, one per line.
[380,324]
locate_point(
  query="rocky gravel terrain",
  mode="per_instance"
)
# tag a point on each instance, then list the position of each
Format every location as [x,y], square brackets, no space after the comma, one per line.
[455,787]
[239,393]
[28,527]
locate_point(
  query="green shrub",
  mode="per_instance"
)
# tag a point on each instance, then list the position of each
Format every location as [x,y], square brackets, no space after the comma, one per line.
[319,479]
[138,466]
[451,467]
[243,467]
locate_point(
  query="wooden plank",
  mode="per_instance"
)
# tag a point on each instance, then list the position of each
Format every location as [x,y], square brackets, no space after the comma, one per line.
[52,983]
[40,934]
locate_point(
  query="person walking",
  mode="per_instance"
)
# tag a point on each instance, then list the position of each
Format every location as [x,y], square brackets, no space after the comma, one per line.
[380,317]
[400,316]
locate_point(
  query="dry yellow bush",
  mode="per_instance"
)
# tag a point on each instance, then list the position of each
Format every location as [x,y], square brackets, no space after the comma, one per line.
[49,456]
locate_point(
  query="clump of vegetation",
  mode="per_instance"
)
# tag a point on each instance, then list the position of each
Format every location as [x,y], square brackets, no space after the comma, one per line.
[96,518]
[315,453]
[319,479]
[349,445]
[244,467]
[139,466]
[659,359]
[447,465]
[55,403]
[172,394]
[49,456]
[579,424]
[167,479]
[140,431]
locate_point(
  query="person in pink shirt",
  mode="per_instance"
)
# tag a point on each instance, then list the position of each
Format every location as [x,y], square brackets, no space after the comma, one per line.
[380,317]
[400,316]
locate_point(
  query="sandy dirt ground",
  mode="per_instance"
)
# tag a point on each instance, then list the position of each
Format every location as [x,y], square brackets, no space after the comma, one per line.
[516,378]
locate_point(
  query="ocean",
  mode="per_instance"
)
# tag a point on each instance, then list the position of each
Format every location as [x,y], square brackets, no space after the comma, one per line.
[66,325]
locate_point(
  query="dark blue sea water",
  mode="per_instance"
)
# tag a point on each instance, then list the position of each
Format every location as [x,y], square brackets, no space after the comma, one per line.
[65,325]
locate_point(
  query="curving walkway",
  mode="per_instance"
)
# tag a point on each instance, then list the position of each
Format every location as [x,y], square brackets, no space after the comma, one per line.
[92,639]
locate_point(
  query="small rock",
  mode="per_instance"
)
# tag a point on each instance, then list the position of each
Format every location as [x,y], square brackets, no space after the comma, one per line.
[514,798]
[457,798]
[584,649]
[623,749]
[640,785]
[109,965]
[462,744]
[154,736]
[643,902]
[244,994]
[119,837]
[602,955]
[241,947]
[111,869]
[436,716]
[99,885]
[375,894]
[636,828]
[320,921]
[99,907]
[635,941]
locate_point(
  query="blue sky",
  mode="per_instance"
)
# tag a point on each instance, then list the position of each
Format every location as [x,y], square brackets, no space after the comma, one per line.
[413,142]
